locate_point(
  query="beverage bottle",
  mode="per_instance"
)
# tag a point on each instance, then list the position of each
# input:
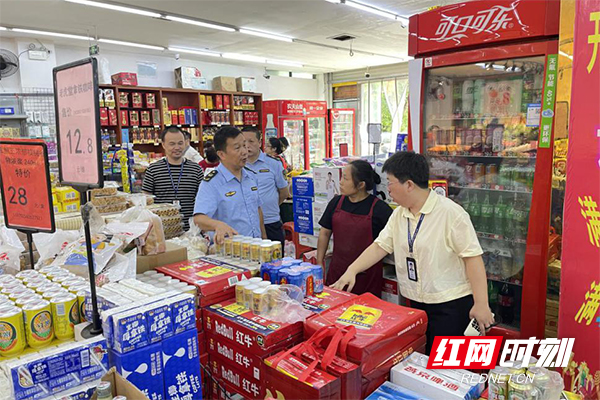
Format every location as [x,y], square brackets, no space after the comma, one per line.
[521,217]
[487,215]
[493,296]
[467,97]
[506,304]
[270,129]
[475,212]
[499,224]
[478,96]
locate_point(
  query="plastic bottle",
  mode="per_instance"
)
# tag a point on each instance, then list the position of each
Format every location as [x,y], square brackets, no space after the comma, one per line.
[270,129]
[290,249]
[493,295]
[487,215]
[475,212]
[478,96]
[506,304]
[521,215]
[467,97]
[499,223]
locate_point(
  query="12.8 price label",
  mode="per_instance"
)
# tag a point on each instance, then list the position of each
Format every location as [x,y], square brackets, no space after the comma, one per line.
[25,184]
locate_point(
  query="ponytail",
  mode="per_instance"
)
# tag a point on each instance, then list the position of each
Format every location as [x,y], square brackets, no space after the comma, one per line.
[363,172]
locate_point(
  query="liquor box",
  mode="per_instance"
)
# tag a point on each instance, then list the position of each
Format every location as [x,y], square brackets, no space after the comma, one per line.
[224,84]
[125,79]
[382,328]
[245,84]
[251,332]
[190,78]
[389,391]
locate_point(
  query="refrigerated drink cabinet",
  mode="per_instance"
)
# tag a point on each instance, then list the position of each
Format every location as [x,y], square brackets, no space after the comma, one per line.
[481,82]
[303,124]
[341,128]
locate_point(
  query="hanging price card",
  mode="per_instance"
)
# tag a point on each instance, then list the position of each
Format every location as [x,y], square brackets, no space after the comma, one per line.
[78,122]
[25,185]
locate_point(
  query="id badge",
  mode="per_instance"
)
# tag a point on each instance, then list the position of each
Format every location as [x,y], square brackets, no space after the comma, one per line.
[411,268]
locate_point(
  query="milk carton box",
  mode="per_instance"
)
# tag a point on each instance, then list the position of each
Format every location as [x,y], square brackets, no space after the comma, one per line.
[184,312]
[130,330]
[181,363]
[159,318]
[93,355]
[143,368]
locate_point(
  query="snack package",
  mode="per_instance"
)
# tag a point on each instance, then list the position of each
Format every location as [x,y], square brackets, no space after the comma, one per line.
[153,241]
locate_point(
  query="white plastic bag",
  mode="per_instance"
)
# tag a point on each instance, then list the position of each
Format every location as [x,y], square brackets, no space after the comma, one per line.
[9,237]
[284,304]
[49,245]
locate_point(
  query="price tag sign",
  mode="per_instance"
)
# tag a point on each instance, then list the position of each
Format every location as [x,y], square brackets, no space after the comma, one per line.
[25,185]
[78,122]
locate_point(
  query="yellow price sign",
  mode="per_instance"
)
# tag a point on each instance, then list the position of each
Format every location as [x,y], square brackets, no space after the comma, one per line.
[212,272]
[236,308]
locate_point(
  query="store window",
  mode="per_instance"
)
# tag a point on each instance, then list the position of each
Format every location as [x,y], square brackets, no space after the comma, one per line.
[385,102]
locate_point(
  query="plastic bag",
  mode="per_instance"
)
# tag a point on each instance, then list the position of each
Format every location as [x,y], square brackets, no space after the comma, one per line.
[128,232]
[75,254]
[153,241]
[10,259]
[122,266]
[9,237]
[284,304]
[49,245]
[196,239]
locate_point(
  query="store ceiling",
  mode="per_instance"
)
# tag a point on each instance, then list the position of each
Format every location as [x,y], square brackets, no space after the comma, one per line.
[378,40]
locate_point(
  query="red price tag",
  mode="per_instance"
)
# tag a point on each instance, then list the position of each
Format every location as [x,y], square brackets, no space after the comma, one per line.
[78,121]
[25,185]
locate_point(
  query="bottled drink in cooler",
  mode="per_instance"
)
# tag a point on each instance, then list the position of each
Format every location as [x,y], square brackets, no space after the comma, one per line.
[467,96]
[493,296]
[506,304]
[499,217]
[478,96]
[487,215]
[521,215]
[475,212]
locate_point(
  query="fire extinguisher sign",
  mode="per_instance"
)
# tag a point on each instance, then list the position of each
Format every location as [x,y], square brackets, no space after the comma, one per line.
[548,101]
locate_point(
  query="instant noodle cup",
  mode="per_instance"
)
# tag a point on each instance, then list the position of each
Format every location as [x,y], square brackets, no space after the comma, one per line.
[62,278]
[34,285]
[38,323]
[21,301]
[27,273]
[12,332]
[77,287]
[65,315]
[53,293]
[5,278]
[19,292]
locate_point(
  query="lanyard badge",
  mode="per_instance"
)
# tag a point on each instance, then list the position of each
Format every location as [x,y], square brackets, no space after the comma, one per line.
[175,188]
[411,263]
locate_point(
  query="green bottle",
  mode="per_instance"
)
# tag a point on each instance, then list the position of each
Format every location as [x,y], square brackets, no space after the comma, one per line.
[475,212]
[493,296]
[487,215]
[500,211]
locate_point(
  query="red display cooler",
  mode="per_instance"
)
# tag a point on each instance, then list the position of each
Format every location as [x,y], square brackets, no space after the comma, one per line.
[478,89]
[342,141]
[303,124]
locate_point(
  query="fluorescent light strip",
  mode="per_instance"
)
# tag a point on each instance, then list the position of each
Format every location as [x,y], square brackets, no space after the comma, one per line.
[267,35]
[376,11]
[197,52]
[198,23]
[44,33]
[3,28]
[244,57]
[130,44]
[285,62]
[116,8]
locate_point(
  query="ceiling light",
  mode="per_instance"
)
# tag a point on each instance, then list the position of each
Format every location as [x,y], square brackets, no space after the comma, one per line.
[199,23]
[130,44]
[267,35]
[244,57]
[2,28]
[116,8]
[376,11]
[62,35]
[193,51]
[285,62]
[334,1]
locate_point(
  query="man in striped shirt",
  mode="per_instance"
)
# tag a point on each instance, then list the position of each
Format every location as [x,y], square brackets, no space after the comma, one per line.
[174,178]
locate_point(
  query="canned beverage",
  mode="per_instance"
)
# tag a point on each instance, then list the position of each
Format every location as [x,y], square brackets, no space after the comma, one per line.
[258,301]
[38,323]
[276,252]
[532,362]
[266,254]
[27,273]
[498,384]
[491,174]
[295,278]
[165,279]
[77,287]
[307,281]
[255,250]
[48,269]
[265,271]
[519,388]
[479,175]
[19,292]
[53,293]
[12,332]
[21,301]
[317,273]
[62,278]
[188,289]
[272,293]
[236,248]
[541,380]
[81,295]
[220,249]
[246,251]
[5,278]
[248,289]
[516,370]
[275,273]
[282,278]
[56,273]
[119,398]
[65,315]
[228,243]
[239,291]
[104,390]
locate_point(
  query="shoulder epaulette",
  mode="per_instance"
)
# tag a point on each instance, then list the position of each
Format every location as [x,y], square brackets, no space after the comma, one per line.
[275,158]
[211,175]
[248,169]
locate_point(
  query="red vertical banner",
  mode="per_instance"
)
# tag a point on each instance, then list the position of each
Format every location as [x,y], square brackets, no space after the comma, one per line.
[580,279]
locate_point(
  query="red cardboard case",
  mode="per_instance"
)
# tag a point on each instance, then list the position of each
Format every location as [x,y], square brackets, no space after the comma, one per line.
[253,333]
[382,328]
[327,299]
[238,381]
[124,79]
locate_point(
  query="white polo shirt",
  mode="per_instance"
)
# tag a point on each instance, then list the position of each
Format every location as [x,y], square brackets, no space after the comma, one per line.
[446,237]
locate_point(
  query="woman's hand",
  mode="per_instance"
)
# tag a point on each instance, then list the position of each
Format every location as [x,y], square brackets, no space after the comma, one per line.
[346,281]
[483,315]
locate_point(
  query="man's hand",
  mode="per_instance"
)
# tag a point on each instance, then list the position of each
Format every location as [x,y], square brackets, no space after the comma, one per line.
[347,280]
[483,315]
[222,230]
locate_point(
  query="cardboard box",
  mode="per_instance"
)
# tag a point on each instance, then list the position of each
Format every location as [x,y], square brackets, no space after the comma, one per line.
[389,391]
[382,328]
[173,254]
[389,291]
[123,99]
[189,78]
[327,182]
[112,117]
[239,325]
[103,116]
[181,366]
[143,368]
[327,299]
[240,382]
[125,79]
[121,386]
[245,84]
[224,84]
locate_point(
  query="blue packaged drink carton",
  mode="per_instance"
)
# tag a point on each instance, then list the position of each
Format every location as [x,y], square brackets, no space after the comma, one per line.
[389,391]
[93,359]
[143,368]
[181,363]
[159,317]
[184,312]
[130,330]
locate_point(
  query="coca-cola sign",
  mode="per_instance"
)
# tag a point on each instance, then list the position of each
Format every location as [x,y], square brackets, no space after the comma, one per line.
[481,22]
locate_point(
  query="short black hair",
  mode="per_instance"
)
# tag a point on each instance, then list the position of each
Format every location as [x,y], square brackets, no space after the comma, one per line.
[211,154]
[224,133]
[408,165]
[278,144]
[186,135]
[363,172]
[170,129]
[253,129]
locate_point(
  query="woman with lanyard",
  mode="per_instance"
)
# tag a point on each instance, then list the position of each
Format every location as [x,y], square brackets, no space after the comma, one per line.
[174,179]
[355,219]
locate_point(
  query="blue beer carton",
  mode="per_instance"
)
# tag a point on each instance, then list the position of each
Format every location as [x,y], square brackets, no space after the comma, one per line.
[184,312]
[143,368]
[130,330]
[181,363]
[159,318]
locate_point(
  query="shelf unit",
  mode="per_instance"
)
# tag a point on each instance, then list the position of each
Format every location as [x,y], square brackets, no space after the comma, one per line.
[177,99]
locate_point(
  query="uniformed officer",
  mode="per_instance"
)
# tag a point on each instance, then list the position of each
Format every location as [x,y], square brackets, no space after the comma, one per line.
[228,200]
[272,185]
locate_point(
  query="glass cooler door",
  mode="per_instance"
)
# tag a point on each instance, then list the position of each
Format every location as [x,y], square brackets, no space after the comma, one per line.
[342,130]
[481,127]
[293,131]
[317,139]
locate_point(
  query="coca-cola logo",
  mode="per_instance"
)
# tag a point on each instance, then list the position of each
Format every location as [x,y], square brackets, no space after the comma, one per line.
[492,20]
